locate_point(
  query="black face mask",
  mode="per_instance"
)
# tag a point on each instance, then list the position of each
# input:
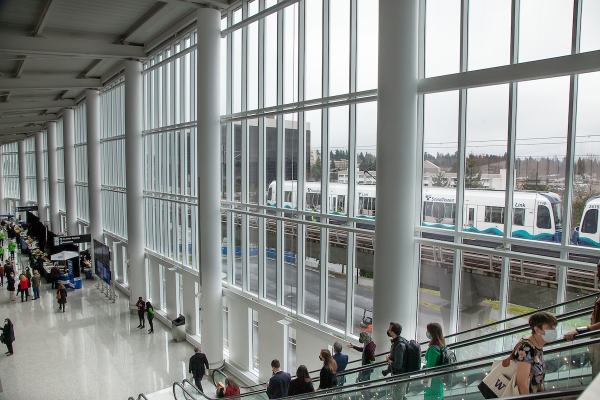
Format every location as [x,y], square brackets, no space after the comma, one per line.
[389,334]
[320,359]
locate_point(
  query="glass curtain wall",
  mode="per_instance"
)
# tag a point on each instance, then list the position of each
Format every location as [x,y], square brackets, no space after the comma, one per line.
[10,169]
[170,180]
[81,164]
[30,172]
[278,163]
[510,169]
[45,177]
[112,142]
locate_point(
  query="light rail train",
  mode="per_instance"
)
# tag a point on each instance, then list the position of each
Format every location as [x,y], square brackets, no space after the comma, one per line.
[587,233]
[536,215]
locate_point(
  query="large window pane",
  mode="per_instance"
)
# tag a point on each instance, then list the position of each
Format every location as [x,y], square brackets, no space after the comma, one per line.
[367,44]
[366,162]
[489,33]
[442,37]
[314,49]
[271,260]
[312,272]
[337,269]
[364,259]
[338,160]
[339,48]
[590,29]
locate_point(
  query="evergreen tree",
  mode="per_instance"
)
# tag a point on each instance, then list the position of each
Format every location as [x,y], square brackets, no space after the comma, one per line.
[472,173]
[440,180]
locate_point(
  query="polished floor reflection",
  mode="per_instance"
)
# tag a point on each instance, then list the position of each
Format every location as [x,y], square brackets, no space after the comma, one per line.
[92,351]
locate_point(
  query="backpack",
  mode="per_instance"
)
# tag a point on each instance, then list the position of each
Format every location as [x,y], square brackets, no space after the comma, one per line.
[412,356]
[448,356]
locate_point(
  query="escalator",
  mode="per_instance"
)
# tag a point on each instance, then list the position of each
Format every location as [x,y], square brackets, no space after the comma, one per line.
[567,368]
[479,345]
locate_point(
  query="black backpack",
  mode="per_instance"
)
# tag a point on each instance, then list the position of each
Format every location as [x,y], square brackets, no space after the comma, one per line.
[412,356]
[448,356]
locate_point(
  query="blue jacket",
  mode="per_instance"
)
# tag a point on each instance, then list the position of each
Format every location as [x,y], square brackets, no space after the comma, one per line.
[342,362]
[279,385]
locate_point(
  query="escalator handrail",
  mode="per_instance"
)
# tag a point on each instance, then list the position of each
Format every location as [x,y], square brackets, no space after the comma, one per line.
[198,391]
[382,382]
[464,343]
[140,396]
[219,371]
[175,384]
[455,367]
[526,314]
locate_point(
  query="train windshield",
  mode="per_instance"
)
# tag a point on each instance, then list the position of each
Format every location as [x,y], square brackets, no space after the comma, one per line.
[557,211]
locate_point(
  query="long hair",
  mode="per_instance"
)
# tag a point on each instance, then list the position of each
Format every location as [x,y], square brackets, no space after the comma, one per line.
[328,361]
[61,287]
[302,374]
[366,338]
[149,305]
[437,337]
[10,324]
[596,312]
[231,382]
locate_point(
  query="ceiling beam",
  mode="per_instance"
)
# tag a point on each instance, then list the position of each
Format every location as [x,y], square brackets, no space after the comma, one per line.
[67,48]
[93,70]
[35,105]
[17,131]
[200,3]
[171,31]
[20,68]
[161,10]
[48,82]
[27,120]
[37,31]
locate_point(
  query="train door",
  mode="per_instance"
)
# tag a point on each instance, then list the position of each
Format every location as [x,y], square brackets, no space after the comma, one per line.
[470,216]
[332,203]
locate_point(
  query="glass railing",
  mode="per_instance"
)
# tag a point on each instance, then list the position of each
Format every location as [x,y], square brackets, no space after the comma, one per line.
[567,364]
[486,339]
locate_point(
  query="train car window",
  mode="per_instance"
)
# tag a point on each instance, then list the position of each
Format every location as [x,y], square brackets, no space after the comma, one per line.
[519,216]
[590,222]
[360,205]
[494,215]
[270,195]
[313,200]
[543,218]
[427,209]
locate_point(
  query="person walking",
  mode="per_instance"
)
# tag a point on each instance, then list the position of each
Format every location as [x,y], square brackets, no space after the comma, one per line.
[61,296]
[1,273]
[23,286]
[2,253]
[10,286]
[279,383]
[35,284]
[141,304]
[368,355]
[342,362]
[302,383]
[327,378]
[2,238]
[529,355]
[434,389]
[150,312]
[198,366]
[12,246]
[29,276]
[8,336]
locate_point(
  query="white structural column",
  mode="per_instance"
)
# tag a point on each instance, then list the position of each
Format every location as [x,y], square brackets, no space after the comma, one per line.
[2,199]
[134,179]
[69,149]
[53,178]
[211,316]
[92,100]
[22,174]
[39,175]
[396,274]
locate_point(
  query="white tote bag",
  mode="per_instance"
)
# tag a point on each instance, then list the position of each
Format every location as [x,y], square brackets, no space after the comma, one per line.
[502,380]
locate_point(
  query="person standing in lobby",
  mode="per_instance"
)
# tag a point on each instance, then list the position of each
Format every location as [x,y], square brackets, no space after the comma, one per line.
[12,247]
[198,366]
[61,296]
[1,273]
[141,304]
[8,336]
[150,311]
[10,286]
[35,284]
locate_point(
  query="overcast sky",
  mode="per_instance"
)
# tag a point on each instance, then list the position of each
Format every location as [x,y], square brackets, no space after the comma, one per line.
[545,31]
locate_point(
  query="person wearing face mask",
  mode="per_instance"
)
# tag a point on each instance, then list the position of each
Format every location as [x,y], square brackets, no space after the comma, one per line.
[368,355]
[395,359]
[530,356]
[8,336]
[327,379]
[434,389]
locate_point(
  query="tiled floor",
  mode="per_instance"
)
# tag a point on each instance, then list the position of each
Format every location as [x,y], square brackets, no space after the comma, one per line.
[92,351]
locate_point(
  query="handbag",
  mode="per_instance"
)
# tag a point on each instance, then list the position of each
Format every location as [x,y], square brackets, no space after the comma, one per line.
[502,380]
[58,296]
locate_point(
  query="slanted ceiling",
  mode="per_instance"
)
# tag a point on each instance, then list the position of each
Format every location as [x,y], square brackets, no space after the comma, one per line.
[69,41]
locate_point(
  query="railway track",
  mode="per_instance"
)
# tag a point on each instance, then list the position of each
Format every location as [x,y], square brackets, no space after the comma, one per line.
[540,274]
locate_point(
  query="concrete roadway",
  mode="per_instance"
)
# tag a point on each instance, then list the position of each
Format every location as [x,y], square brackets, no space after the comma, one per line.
[363,296]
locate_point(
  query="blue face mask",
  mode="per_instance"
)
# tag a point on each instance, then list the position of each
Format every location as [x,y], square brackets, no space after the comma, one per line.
[428,335]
